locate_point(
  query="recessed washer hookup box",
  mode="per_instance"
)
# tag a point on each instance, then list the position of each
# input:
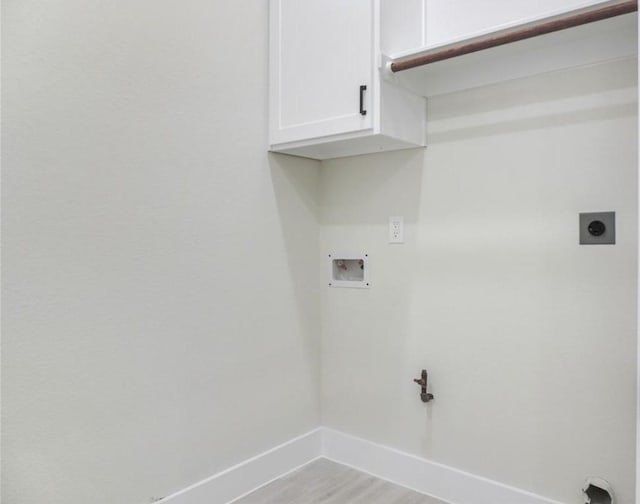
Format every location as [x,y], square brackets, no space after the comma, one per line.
[348,270]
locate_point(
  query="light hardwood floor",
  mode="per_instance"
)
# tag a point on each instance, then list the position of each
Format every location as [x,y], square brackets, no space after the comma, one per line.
[325,482]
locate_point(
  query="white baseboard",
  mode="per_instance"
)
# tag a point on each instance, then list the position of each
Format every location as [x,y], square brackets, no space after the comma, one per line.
[244,478]
[437,480]
[430,478]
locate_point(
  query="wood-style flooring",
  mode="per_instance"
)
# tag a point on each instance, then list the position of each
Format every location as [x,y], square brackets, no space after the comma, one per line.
[325,482]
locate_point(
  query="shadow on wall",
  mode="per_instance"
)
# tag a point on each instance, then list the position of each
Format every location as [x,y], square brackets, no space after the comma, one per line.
[544,101]
[369,189]
[295,183]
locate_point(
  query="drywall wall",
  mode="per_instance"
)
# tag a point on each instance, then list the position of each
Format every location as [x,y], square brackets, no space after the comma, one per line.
[160,310]
[158,321]
[529,338]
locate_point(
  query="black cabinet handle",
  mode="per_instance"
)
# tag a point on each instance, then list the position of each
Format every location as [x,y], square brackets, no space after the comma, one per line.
[363,88]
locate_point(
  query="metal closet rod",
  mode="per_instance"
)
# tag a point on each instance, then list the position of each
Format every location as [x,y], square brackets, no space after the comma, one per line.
[534,29]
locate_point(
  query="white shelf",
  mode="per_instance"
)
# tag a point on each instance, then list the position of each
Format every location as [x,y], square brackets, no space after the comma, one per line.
[597,42]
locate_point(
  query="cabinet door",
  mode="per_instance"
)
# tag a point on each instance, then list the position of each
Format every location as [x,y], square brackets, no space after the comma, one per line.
[321,53]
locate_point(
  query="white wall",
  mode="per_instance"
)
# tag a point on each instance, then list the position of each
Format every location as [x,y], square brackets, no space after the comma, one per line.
[529,338]
[158,320]
[160,296]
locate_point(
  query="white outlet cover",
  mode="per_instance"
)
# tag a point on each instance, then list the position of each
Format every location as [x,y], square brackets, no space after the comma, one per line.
[396,229]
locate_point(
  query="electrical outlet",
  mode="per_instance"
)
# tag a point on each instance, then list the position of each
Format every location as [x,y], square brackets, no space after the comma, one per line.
[396,230]
[598,228]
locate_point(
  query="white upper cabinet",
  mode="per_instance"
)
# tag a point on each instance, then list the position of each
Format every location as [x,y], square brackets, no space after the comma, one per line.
[321,54]
[333,92]
[326,96]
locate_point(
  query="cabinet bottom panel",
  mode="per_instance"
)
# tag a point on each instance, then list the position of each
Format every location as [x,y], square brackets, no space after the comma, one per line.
[345,147]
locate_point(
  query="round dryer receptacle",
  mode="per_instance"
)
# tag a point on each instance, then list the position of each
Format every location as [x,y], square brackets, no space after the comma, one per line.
[596,228]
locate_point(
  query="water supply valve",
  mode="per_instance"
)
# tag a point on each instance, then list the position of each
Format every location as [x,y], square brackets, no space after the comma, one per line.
[422,381]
